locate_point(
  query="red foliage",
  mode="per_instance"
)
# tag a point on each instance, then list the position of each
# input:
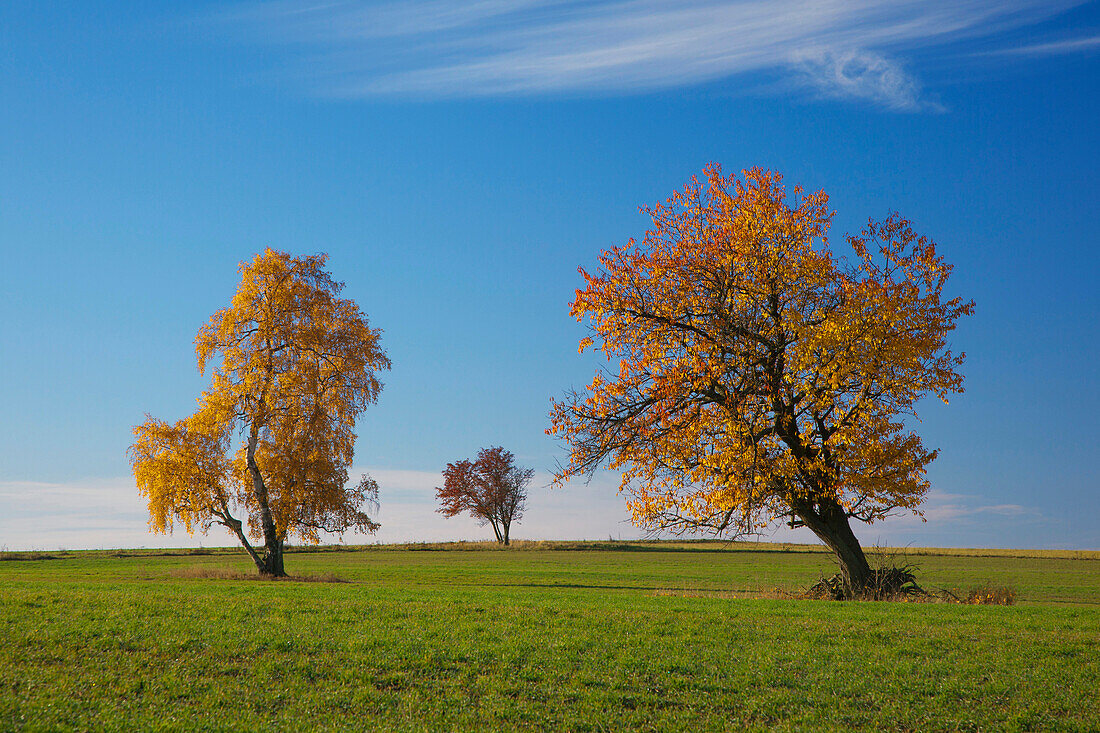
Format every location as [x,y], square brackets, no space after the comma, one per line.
[493,489]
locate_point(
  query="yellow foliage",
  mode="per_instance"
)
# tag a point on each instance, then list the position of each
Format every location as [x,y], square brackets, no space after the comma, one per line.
[293,367]
[181,469]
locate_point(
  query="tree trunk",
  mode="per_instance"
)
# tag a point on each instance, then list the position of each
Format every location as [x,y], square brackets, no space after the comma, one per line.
[826,518]
[496,529]
[272,561]
[507,526]
[828,521]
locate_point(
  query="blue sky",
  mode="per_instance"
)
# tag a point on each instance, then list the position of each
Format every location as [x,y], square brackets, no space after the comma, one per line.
[459,161]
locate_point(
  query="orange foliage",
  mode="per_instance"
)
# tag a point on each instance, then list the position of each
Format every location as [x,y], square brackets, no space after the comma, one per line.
[754,373]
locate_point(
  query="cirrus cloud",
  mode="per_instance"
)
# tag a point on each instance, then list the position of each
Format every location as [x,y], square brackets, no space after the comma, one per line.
[844,49]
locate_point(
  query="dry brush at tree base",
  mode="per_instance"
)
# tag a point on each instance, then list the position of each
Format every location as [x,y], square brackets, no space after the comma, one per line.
[757,375]
[273,437]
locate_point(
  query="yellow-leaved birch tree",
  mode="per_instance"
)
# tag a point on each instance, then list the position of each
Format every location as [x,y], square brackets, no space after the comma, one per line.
[267,453]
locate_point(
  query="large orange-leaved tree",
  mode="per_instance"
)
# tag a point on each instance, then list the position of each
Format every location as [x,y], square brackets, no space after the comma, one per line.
[755,374]
[267,453]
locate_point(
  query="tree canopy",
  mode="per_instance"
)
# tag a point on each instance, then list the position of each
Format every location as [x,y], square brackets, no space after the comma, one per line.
[756,375]
[293,367]
[492,489]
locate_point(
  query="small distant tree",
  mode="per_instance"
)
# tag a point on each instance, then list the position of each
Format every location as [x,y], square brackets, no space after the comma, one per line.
[273,438]
[493,489]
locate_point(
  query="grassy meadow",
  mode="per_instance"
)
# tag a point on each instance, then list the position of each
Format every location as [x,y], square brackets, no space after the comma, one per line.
[544,636]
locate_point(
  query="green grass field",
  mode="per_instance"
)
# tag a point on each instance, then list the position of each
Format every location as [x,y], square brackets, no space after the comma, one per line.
[607,636]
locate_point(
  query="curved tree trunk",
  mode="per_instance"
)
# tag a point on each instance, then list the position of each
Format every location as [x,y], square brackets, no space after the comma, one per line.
[271,563]
[235,526]
[825,517]
[827,520]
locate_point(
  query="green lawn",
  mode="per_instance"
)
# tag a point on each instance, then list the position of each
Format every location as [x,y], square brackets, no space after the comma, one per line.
[613,637]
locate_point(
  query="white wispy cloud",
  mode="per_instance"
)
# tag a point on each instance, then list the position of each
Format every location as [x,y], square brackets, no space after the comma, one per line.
[1054,48]
[850,49]
[941,506]
[863,75]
